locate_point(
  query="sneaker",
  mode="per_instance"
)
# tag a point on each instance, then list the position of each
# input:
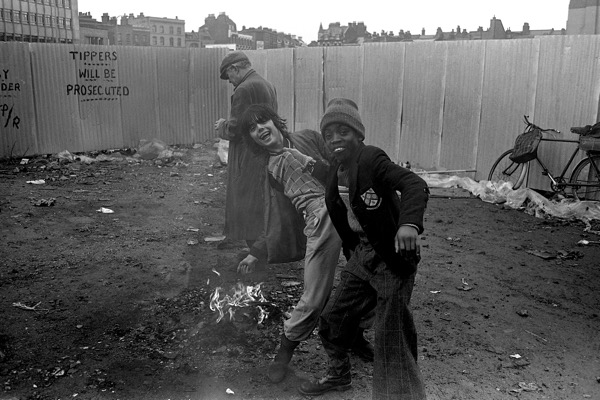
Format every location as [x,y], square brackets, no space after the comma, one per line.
[326,384]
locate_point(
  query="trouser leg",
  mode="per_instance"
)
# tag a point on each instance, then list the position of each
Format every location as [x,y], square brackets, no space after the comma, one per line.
[322,255]
[395,372]
[353,298]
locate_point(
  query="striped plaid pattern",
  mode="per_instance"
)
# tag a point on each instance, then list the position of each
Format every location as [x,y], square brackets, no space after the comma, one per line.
[300,187]
[368,283]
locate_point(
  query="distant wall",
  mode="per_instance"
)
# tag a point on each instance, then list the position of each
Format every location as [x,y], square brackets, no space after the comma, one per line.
[440,105]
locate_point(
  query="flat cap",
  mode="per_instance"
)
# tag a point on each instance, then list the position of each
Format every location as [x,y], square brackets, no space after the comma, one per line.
[229,60]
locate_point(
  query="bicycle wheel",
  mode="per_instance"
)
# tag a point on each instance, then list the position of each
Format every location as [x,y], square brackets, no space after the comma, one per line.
[585,179]
[508,171]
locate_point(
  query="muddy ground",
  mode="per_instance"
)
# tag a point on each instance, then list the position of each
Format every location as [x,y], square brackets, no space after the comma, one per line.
[116,305]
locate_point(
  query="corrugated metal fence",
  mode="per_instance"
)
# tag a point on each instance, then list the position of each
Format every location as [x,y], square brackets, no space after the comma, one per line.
[440,105]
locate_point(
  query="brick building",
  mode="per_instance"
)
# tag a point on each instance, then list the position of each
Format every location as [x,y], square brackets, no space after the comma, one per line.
[49,21]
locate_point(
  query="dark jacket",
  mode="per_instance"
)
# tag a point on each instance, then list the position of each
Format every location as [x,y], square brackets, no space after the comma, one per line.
[373,184]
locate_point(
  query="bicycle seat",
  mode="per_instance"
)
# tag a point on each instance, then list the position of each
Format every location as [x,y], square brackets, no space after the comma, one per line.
[588,130]
[581,130]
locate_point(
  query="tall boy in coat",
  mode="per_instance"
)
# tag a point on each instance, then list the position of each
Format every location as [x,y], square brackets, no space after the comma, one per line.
[381,231]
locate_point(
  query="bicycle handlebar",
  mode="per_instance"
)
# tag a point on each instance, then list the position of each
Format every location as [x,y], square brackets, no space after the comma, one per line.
[531,125]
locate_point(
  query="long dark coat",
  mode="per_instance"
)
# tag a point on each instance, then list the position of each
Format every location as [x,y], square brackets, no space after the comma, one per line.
[245,201]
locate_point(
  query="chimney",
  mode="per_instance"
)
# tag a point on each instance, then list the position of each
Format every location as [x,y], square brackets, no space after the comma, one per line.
[105,18]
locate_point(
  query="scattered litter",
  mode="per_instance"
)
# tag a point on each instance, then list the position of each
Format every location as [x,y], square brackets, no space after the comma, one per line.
[523,313]
[465,287]
[37,182]
[85,159]
[229,391]
[214,238]
[24,161]
[529,387]
[517,356]
[537,336]
[542,254]
[569,255]
[584,242]
[290,283]
[104,210]
[192,242]
[45,202]
[191,229]
[525,199]
[216,272]
[435,291]
[65,155]
[29,308]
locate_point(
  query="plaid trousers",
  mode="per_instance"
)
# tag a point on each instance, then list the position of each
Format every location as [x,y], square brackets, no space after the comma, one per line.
[367,283]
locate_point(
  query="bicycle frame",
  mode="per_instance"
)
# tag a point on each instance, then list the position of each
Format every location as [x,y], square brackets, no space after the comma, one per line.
[558,183]
[545,171]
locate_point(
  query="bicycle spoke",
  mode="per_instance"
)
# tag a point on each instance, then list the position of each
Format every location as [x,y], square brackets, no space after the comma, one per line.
[504,169]
[585,179]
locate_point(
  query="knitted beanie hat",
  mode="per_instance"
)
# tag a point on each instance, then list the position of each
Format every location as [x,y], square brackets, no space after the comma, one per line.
[343,111]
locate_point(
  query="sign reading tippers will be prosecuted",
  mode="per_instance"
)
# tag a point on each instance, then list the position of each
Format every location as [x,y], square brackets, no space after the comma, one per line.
[97,78]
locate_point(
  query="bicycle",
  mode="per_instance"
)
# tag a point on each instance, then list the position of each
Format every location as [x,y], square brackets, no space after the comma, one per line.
[584,181]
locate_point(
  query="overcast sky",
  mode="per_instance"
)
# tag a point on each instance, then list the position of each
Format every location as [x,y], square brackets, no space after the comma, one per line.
[303,17]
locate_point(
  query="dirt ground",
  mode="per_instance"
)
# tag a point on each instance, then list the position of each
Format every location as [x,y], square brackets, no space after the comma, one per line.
[117,305]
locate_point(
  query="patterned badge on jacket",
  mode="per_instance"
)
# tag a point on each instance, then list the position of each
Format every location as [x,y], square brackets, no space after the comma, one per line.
[371,199]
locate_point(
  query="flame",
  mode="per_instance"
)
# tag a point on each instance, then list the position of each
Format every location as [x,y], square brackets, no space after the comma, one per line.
[243,296]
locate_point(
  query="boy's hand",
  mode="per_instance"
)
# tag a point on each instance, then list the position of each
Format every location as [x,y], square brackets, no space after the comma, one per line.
[247,265]
[406,239]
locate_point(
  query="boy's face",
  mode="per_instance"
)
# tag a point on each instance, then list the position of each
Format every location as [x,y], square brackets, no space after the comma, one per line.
[267,136]
[342,141]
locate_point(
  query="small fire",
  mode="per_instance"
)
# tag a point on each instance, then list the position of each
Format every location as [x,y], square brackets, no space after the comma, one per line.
[243,296]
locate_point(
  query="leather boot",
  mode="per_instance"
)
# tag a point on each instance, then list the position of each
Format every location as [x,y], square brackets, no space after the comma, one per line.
[327,384]
[278,368]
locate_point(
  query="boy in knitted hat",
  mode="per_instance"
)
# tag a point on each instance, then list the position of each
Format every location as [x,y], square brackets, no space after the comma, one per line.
[380,229]
[297,166]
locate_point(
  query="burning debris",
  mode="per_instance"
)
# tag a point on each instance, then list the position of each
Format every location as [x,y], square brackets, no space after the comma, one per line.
[243,297]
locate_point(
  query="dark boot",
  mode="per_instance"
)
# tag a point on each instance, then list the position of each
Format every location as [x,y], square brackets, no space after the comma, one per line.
[326,384]
[363,348]
[278,368]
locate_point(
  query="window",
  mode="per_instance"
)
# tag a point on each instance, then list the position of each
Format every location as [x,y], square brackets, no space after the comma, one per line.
[171,42]
[136,39]
[154,43]
[179,31]
[25,17]
[171,30]
[162,41]
[128,38]
[17,16]
[46,20]
[61,22]
[68,3]
[154,28]
[178,42]
[39,19]
[162,29]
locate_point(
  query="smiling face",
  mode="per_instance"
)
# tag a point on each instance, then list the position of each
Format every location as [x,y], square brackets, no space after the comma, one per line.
[342,141]
[266,135]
